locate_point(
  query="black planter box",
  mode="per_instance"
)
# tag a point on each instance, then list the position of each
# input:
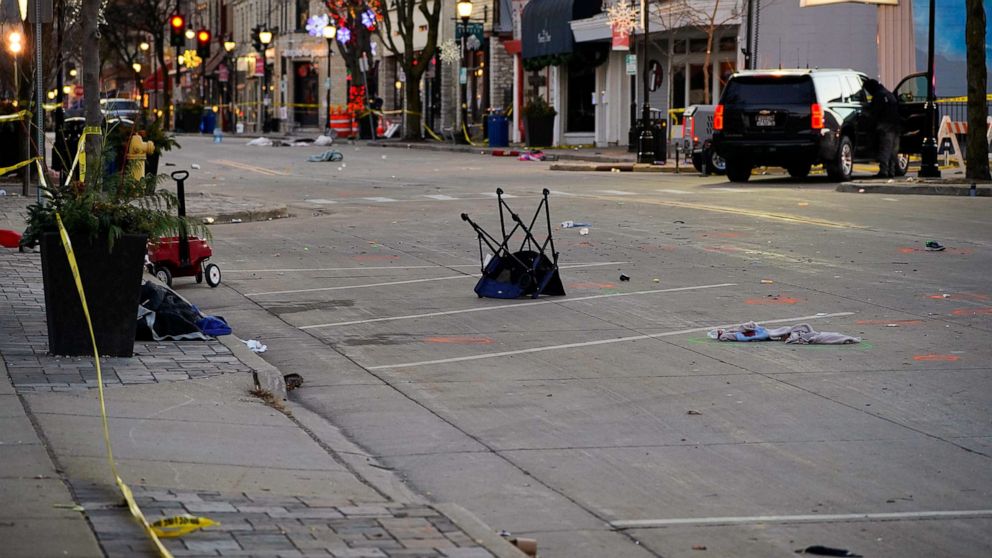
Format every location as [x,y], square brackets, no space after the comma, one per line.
[539,130]
[112,283]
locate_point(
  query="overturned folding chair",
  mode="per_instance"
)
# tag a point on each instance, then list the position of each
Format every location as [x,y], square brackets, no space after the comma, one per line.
[527,270]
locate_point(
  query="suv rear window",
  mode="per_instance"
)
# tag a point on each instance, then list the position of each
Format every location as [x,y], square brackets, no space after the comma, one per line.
[762,90]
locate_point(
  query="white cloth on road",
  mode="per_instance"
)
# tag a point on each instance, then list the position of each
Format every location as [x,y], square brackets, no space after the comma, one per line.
[801,334]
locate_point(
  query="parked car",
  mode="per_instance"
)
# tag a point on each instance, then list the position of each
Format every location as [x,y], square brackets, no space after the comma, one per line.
[799,118]
[697,139]
[121,108]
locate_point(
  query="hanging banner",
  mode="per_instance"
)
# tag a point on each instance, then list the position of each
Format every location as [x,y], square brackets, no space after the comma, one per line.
[259,67]
[621,40]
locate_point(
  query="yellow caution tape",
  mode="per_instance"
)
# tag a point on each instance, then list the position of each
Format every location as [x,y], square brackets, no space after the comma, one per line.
[185,524]
[180,525]
[12,168]
[468,139]
[15,116]
[432,134]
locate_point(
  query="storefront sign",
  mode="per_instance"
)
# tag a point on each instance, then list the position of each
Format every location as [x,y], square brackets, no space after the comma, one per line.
[630,61]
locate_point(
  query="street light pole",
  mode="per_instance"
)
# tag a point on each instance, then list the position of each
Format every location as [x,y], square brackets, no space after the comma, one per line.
[329,32]
[464,10]
[928,151]
[265,37]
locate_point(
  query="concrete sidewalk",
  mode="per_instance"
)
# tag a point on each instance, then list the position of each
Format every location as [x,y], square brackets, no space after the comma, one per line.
[189,438]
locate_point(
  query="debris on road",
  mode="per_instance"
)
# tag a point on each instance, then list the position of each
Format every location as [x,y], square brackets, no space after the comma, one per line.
[195,166]
[624,277]
[583,231]
[821,550]
[767,281]
[260,142]
[326,156]
[934,246]
[699,547]
[693,412]
[323,140]
[574,225]
[255,346]
[293,381]
[532,156]
[801,334]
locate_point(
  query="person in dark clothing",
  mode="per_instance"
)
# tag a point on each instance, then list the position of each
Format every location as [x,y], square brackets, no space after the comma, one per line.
[883,109]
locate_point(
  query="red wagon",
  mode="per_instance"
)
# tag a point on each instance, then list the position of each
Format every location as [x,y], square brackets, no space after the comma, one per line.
[182,256]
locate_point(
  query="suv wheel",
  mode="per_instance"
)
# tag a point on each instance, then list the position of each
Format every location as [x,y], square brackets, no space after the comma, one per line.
[717,164]
[697,162]
[839,170]
[738,171]
[799,170]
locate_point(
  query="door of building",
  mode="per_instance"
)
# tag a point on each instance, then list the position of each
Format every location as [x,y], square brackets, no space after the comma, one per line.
[305,95]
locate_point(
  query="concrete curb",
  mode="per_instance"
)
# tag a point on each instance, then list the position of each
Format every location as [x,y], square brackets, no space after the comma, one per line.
[563,154]
[269,377]
[913,188]
[617,167]
[280,212]
[479,531]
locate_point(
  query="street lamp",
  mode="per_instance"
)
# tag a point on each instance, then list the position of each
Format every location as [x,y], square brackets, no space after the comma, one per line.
[464,10]
[144,46]
[265,37]
[190,34]
[329,32]
[137,67]
[928,151]
[232,76]
[15,47]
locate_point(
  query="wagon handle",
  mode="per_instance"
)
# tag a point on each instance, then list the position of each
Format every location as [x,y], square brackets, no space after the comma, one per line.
[180,175]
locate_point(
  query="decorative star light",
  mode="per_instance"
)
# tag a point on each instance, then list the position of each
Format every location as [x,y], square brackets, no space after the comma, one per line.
[316,25]
[623,17]
[449,51]
[373,48]
[368,19]
[344,35]
[192,60]
[472,42]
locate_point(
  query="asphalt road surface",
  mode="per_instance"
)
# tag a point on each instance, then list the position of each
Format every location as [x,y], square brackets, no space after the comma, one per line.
[605,422]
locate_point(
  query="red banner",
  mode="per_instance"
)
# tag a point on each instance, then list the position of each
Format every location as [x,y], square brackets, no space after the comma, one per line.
[621,41]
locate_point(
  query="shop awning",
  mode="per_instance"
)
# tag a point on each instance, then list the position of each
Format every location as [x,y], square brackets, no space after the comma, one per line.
[545,30]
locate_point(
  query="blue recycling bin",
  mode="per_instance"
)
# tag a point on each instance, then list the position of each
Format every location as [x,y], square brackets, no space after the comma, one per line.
[499,130]
[208,122]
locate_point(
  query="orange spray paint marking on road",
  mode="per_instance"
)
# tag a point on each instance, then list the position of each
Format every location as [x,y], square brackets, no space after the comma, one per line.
[592,285]
[985,311]
[772,300]
[459,340]
[936,358]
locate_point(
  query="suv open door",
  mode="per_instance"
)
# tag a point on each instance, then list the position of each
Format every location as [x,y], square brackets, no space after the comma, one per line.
[912,96]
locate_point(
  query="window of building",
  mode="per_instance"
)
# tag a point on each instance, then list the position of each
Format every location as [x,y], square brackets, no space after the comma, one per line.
[697,45]
[679,46]
[728,44]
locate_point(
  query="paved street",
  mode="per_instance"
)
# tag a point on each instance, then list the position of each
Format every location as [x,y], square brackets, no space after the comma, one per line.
[606,423]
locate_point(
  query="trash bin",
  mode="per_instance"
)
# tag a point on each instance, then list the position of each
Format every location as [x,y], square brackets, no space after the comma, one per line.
[499,130]
[208,122]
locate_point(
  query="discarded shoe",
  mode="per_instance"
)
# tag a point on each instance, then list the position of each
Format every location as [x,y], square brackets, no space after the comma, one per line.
[934,246]
[293,381]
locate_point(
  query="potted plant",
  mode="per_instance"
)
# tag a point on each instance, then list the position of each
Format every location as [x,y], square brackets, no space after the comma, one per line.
[109,220]
[539,122]
[163,142]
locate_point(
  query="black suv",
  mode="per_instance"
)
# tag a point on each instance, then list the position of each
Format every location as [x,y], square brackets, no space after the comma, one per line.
[798,118]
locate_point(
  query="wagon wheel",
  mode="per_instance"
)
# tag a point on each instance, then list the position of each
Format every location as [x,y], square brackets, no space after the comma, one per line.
[164,275]
[212,275]
[198,277]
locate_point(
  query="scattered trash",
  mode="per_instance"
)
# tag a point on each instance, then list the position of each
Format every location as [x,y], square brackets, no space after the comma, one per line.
[891,325]
[323,140]
[693,412]
[236,220]
[583,231]
[803,204]
[861,190]
[532,156]
[170,164]
[255,346]
[679,222]
[614,169]
[767,281]
[505,153]
[934,246]
[383,157]
[801,334]
[208,220]
[260,142]
[821,550]
[73,507]
[331,155]
[656,280]
[624,277]
[699,547]
[293,381]
[218,135]
[3,192]
[573,224]
[195,166]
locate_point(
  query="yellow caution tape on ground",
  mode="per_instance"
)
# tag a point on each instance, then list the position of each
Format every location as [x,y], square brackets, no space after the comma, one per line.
[432,134]
[12,168]
[469,140]
[186,525]
[15,116]
[180,525]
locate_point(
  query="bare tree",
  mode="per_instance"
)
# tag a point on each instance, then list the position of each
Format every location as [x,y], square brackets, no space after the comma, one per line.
[120,39]
[152,17]
[708,18]
[414,63]
[977,165]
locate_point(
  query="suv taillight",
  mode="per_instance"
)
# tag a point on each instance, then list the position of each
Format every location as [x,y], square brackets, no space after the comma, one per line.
[816,120]
[718,118]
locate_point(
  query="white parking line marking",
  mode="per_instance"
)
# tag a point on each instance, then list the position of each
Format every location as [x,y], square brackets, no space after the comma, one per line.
[372,268]
[319,200]
[733,190]
[594,343]
[813,518]
[493,195]
[670,191]
[616,192]
[517,305]
[369,285]
[439,197]
[379,199]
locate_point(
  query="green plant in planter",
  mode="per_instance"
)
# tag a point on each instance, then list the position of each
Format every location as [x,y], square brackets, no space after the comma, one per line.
[537,107]
[155,133]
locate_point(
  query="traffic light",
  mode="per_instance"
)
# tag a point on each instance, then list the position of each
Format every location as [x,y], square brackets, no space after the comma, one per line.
[256,41]
[203,44]
[177,26]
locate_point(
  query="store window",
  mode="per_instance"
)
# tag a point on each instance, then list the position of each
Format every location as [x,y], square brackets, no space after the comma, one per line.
[302,15]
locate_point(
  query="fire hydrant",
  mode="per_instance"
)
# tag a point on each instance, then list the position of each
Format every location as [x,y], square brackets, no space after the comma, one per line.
[137,151]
